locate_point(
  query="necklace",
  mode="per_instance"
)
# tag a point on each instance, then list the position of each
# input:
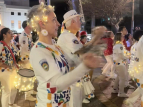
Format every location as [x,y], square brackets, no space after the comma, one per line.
[118,42]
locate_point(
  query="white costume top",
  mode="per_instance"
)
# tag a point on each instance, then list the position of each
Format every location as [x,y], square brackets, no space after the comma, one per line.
[137,72]
[52,72]
[70,44]
[132,60]
[118,54]
[128,44]
[25,42]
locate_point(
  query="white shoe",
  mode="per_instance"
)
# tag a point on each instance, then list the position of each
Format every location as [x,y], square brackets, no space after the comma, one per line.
[86,101]
[114,91]
[122,95]
[130,86]
[128,103]
[30,98]
[14,105]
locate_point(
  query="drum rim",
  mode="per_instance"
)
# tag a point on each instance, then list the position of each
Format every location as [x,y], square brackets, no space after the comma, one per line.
[26,76]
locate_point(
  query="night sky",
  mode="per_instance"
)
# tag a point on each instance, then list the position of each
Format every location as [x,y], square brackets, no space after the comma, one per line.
[61,7]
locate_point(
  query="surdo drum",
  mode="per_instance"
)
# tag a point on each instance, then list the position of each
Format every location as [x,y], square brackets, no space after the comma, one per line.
[25,79]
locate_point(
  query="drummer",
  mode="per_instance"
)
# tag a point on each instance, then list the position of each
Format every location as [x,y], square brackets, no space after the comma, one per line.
[7,69]
[25,41]
[50,66]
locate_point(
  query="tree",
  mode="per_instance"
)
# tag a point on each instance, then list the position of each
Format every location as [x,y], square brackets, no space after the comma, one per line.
[111,10]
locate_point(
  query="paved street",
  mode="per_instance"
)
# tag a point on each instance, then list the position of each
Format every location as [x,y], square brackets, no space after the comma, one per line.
[104,98]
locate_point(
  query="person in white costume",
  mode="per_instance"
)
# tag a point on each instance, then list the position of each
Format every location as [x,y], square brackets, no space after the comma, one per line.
[120,65]
[25,41]
[49,63]
[137,93]
[7,68]
[73,24]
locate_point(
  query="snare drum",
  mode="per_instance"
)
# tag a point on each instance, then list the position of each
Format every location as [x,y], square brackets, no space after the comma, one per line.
[25,79]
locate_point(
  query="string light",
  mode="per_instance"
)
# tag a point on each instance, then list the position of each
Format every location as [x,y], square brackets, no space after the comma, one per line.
[23,83]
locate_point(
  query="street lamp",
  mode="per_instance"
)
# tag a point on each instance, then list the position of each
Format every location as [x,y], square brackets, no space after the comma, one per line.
[49,2]
[132,23]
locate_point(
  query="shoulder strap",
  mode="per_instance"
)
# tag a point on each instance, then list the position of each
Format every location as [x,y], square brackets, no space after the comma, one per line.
[10,52]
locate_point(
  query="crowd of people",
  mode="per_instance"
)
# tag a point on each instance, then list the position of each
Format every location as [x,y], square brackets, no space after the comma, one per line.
[64,78]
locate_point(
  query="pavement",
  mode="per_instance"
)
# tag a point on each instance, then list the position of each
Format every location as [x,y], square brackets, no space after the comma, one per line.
[103,96]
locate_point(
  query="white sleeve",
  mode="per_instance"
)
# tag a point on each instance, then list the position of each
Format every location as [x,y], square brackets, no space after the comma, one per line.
[140,43]
[120,49]
[72,43]
[23,41]
[46,69]
[64,81]
[121,52]
[128,43]
[43,65]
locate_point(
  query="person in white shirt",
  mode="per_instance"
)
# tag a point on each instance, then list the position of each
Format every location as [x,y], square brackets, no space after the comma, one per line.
[134,62]
[73,24]
[7,68]
[25,42]
[120,65]
[50,66]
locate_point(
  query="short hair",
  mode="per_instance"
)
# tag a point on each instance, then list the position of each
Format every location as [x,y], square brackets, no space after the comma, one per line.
[137,34]
[117,37]
[82,37]
[38,13]
[121,28]
[68,23]
[3,31]
[24,24]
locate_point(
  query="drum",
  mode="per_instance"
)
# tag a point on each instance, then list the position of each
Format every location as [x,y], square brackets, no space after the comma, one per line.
[25,80]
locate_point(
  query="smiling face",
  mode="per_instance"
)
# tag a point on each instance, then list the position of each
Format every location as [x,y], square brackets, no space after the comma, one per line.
[8,36]
[76,23]
[52,25]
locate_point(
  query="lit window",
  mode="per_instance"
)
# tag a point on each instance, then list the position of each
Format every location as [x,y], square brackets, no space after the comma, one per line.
[12,24]
[19,24]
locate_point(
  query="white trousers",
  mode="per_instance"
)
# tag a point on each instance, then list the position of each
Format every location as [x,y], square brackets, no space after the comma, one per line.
[77,96]
[121,78]
[135,95]
[109,65]
[9,91]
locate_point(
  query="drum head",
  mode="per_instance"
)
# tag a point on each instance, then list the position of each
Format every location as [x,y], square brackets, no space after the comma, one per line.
[26,73]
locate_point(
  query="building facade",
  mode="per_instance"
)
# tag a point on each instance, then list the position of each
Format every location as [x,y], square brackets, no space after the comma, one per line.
[12,16]
[17,2]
